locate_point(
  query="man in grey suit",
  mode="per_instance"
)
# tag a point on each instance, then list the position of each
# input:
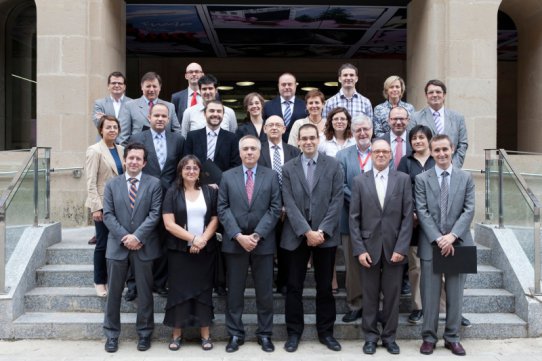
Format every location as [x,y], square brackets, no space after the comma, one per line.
[380,231]
[312,190]
[442,120]
[131,212]
[445,206]
[115,101]
[134,116]
[397,137]
[249,206]
[354,161]
[190,96]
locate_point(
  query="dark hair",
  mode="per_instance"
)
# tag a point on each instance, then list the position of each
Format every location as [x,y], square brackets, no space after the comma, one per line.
[435,82]
[438,137]
[208,79]
[329,131]
[307,126]
[214,101]
[347,66]
[420,129]
[116,74]
[135,146]
[182,163]
[249,97]
[102,121]
[315,93]
[150,76]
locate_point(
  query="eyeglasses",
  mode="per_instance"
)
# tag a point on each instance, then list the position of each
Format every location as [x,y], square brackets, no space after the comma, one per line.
[274,125]
[381,152]
[341,119]
[311,138]
[191,169]
[362,129]
[193,71]
[396,120]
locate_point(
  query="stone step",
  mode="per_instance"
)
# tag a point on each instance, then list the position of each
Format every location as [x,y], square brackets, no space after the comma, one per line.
[88,325]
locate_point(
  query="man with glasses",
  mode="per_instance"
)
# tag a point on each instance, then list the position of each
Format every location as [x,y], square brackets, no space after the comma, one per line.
[190,96]
[397,137]
[113,103]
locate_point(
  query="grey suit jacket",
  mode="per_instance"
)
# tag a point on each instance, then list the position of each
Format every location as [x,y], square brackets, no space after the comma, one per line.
[348,158]
[378,230]
[175,147]
[323,203]
[260,216]
[121,220]
[460,208]
[133,117]
[454,127]
[105,105]
[179,100]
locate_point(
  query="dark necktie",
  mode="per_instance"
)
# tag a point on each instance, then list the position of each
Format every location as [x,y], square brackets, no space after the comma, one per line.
[310,173]
[443,202]
[133,191]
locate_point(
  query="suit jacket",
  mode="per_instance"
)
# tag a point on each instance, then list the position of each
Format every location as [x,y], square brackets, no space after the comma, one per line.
[323,203]
[274,107]
[141,221]
[179,100]
[348,158]
[226,151]
[247,128]
[133,117]
[266,160]
[454,127]
[260,216]
[175,147]
[99,167]
[105,105]
[378,230]
[387,138]
[460,211]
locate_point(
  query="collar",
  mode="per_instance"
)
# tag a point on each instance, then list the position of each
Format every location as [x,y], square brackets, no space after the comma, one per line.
[440,111]
[117,101]
[439,170]
[403,136]
[305,159]
[354,95]
[253,169]
[138,177]
[367,151]
[385,172]
[207,130]
[272,145]
[291,100]
[155,101]
[154,133]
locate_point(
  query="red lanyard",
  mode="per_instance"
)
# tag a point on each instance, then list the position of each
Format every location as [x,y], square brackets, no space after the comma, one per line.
[363,162]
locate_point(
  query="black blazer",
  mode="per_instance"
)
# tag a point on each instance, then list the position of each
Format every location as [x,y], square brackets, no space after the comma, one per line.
[248,128]
[175,202]
[179,100]
[290,152]
[273,107]
[226,151]
[175,145]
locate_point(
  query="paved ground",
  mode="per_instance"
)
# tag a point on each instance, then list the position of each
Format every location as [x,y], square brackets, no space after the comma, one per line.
[53,350]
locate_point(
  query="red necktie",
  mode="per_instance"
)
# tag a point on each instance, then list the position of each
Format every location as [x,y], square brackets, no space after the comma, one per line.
[249,185]
[194,100]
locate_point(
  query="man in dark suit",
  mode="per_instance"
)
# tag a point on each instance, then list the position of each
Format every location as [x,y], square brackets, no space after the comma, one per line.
[115,101]
[135,115]
[249,205]
[286,105]
[442,120]
[312,190]
[274,154]
[354,160]
[380,232]
[131,212]
[190,96]
[165,149]
[397,137]
[445,207]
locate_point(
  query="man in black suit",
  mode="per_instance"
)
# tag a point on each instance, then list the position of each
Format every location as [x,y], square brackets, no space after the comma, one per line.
[165,149]
[274,154]
[380,232]
[286,106]
[190,96]
[249,205]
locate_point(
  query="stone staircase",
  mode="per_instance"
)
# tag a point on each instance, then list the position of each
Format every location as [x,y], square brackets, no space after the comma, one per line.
[63,305]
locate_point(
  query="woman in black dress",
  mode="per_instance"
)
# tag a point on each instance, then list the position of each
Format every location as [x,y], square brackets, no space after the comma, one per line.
[189,213]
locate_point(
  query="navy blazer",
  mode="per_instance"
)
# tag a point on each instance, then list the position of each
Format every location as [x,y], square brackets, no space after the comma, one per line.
[247,128]
[274,107]
[179,100]
[290,152]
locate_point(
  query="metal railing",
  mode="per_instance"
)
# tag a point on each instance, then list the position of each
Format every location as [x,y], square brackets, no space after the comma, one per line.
[512,201]
[29,186]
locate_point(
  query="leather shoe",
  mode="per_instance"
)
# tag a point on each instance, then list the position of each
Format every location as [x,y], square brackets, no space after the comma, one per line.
[427,348]
[112,344]
[144,343]
[292,343]
[161,291]
[130,295]
[330,342]
[465,322]
[405,288]
[351,316]
[415,317]
[221,291]
[234,343]
[266,344]
[455,347]
[92,240]
[392,347]
[369,347]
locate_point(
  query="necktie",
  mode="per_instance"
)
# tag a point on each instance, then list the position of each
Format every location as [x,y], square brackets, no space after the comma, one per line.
[380,189]
[133,191]
[398,151]
[443,202]
[287,112]
[160,148]
[211,145]
[194,100]
[249,185]
[439,125]
[310,173]
[151,104]
[277,166]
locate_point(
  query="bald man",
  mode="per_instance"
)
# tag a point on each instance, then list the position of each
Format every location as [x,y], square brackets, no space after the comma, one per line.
[190,96]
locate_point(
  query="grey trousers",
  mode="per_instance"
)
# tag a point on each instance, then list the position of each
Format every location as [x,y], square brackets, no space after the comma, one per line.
[353,275]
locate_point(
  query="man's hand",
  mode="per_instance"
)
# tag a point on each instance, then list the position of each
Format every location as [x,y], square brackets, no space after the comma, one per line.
[130,241]
[445,244]
[314,238]
[397,257]
[214,186]
[247,242]
[98,216]
[365,260]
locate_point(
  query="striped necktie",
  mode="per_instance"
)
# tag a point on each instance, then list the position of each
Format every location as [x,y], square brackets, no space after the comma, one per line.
[211,145]
[132,194]
[277,166]
[439,124]
[249,185]
[287,112]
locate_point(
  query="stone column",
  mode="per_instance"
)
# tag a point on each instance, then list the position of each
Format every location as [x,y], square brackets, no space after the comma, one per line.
[79,43]
[455,41]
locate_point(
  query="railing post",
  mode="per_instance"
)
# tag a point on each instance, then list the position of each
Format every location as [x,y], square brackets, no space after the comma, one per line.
[537,255]
[36,184]
[501,187]
[2,250]
[488,185]
[47,184]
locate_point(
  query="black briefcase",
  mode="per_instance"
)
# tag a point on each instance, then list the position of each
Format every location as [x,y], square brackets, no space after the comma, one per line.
[464,260]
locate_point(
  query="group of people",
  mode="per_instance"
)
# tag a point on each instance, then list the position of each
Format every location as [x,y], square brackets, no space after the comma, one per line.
[185,200]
